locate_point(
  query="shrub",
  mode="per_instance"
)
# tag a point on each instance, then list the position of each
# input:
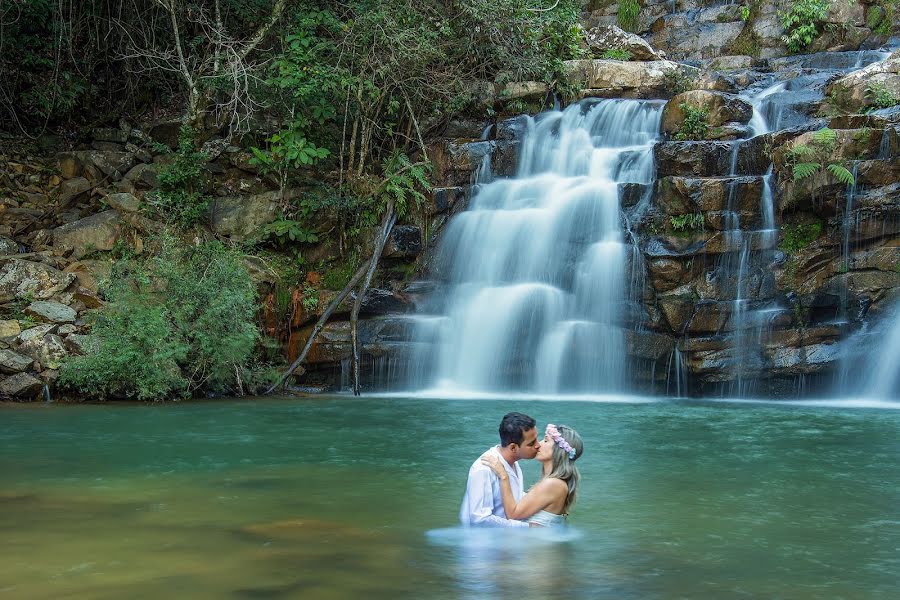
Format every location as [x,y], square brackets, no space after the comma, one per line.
[616,54]
[628,15]
[880,96]
[695,125]
[180,198]
[802,22]
[179,323]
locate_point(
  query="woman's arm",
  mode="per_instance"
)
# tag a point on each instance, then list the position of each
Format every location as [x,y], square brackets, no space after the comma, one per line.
[539,497]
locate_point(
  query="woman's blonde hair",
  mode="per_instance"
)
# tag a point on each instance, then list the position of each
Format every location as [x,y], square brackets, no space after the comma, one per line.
[562,467]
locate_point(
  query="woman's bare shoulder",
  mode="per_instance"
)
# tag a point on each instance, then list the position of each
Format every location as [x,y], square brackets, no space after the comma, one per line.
[553,485]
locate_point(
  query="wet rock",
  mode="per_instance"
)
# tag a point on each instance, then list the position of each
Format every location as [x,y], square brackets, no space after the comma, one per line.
[53,312]
[721,108]
[383,302]
[405,241]
[686,195]
[608,37]
[647,344]
[699,159]
[20,278]
[806,359]
[20,385]
[850,92]
[96,232]
[677,310]
[13,362]
[665,273]
[443,199]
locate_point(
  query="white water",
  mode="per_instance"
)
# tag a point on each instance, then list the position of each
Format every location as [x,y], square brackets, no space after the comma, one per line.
[534,270]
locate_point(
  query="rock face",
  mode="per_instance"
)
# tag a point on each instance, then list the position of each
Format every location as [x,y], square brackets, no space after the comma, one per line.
[20,278]
[239,217]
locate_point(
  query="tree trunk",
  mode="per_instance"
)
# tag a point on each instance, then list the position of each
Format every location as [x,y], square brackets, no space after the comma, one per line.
[386,225]
[319,325]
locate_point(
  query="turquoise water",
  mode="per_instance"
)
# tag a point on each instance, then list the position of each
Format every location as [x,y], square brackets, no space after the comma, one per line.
[347,498]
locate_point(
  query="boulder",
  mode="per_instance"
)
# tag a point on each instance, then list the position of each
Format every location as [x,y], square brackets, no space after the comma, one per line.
[241,216]
[721,108]
[48,350]
[13,362]
[96,232]
[112,164]
[617,79]
[8,245]
[851,92]
[143,176]
[9,329]
[53,312]
[123,202]
[20,385]
[70,188]
[532,90]
[21,278]
[609,37]
[81,344]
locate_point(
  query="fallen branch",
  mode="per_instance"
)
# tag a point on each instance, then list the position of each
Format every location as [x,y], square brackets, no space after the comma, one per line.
[386,225]
[319,325]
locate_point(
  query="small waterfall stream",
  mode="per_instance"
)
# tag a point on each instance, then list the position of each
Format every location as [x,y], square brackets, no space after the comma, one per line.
[533,273]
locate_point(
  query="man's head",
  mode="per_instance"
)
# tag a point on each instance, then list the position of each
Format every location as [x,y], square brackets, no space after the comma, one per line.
[518,436]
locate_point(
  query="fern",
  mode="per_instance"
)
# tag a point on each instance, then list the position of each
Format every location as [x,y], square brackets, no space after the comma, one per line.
[804,170]
[403,181]
[825,136]
[800,150]
[840,173]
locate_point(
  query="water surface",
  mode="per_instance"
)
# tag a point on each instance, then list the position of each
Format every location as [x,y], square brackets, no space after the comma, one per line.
[345,498]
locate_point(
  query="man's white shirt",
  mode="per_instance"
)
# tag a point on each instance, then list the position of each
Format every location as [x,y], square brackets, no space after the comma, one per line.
[482,506]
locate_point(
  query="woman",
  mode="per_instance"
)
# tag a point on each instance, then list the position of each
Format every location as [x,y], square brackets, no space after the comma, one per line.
[549,500]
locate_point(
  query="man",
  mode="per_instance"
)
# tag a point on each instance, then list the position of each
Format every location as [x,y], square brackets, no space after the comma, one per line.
[482,506]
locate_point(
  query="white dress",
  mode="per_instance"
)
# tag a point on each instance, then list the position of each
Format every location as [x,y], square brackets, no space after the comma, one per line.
[547,519]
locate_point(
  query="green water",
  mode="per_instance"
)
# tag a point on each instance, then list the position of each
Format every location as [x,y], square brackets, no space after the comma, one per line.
[341,498]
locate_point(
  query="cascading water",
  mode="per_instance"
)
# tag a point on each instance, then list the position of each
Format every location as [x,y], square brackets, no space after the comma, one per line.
[533,272]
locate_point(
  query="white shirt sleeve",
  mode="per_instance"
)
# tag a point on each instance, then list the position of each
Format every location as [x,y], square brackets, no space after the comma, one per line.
[478,504]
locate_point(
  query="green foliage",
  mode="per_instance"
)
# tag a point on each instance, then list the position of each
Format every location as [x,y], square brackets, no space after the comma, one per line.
[795,238]
[337,277]
[688,223]
[404,183]
[180,198]
[680,80]
[287,233]
[616,54]
[310,299]
[745,13]
[806,160]
[802,22]
[628,16]
[695,125]
[881,18]
[880,96]
[180,323]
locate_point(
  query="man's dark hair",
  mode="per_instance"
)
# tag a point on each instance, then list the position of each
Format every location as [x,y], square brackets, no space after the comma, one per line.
[513,428]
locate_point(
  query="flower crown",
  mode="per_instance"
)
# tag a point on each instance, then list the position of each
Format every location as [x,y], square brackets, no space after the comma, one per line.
[554,433]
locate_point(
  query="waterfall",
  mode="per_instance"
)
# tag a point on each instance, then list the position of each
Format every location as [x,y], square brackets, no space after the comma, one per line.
[884,379]
[533,273]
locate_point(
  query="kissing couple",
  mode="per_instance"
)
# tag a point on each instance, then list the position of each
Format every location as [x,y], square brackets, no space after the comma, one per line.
[495,491]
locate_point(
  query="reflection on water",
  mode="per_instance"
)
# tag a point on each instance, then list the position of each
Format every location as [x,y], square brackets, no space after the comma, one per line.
[348,498]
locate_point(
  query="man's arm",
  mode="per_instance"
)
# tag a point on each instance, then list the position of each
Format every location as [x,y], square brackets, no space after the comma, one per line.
[478,505]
